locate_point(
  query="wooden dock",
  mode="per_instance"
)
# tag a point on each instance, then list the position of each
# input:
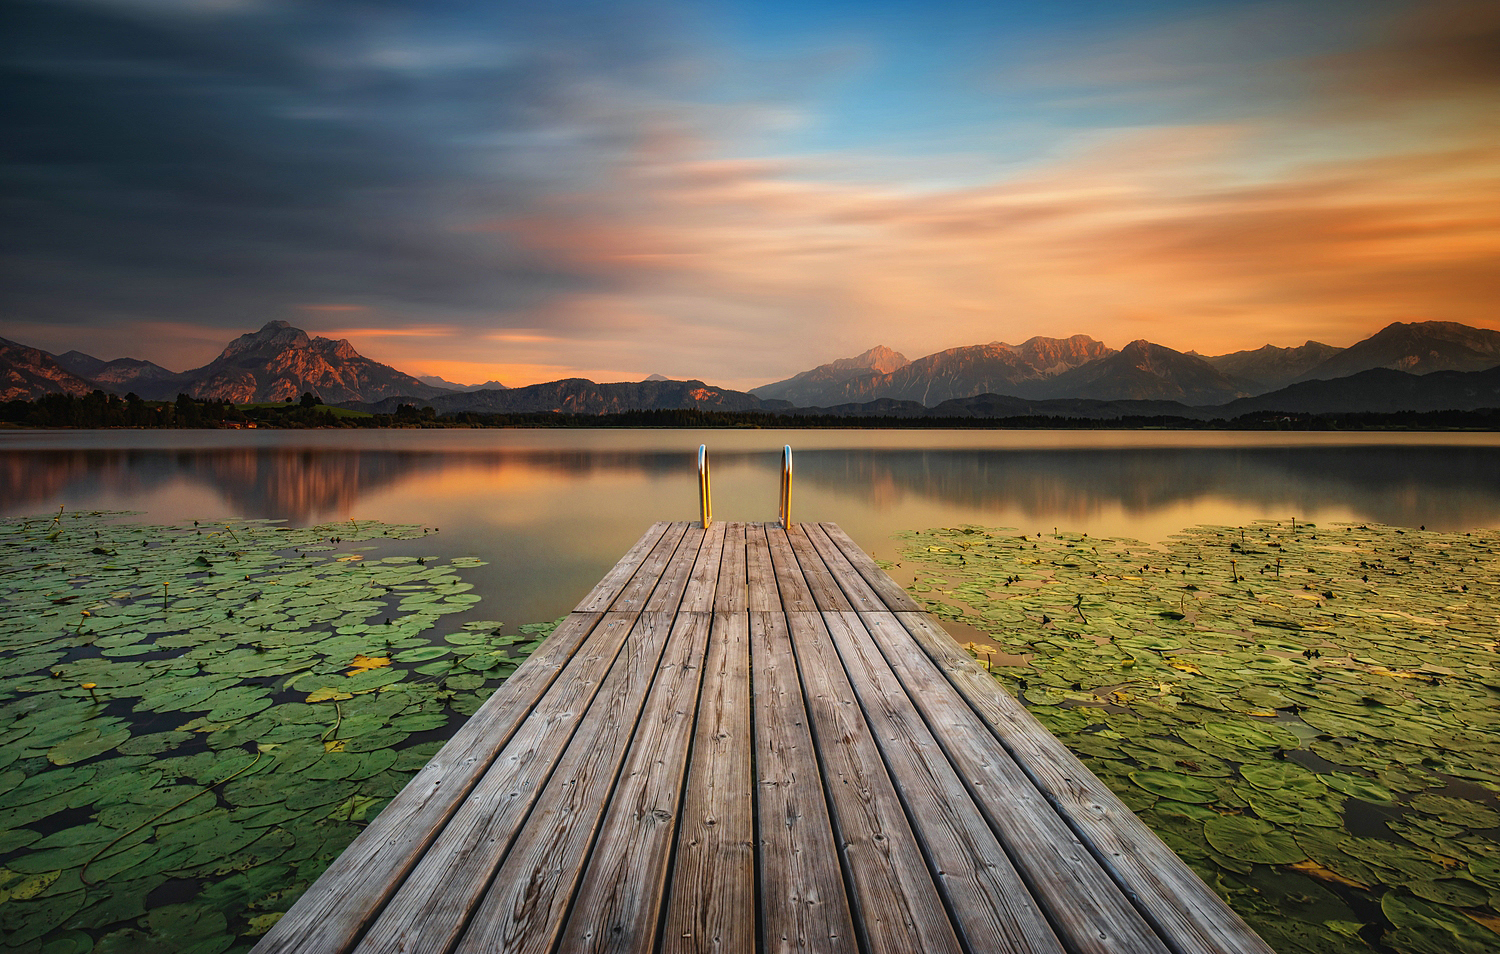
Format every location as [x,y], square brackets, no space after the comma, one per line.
[752,739]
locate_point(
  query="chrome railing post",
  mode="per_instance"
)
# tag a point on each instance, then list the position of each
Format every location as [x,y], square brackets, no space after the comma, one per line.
[785,510]
[705,497]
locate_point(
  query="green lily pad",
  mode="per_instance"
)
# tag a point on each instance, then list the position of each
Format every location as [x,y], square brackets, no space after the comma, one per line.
[1251,839]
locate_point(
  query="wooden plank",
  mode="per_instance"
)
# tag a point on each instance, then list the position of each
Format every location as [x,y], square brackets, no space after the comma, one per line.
[633,595]
[990,905]
[429,911]
[857,592]
[605,591]
[620,900]
[1182,909]
[796,597]
[524,906]
[331,914]
[667,596]
[761,593]
[825,592]
[1085,907]
[703,582]
[897,906]
[711,900]
[889,591]
[803,903]
[730,595]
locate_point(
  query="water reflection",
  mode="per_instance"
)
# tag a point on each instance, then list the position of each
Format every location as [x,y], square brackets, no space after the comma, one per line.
[1450,487]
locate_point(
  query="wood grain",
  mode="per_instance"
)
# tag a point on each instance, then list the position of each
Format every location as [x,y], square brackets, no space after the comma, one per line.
[703,582]
[897,906]
[804,905]
[620,900]
[666,596]
[730,595]
[1086,908]
[432,906]
[605,591]
[524,907]
[890,592]
[711,899]
[335,911]
[634,592]
[1182,909]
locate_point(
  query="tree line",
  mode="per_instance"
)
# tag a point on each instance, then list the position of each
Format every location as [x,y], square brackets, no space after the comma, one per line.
[101,410]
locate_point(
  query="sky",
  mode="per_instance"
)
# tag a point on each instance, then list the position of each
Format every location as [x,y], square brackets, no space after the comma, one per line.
[737,191]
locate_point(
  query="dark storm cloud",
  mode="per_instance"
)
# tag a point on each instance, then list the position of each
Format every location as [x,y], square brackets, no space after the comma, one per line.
[219,163]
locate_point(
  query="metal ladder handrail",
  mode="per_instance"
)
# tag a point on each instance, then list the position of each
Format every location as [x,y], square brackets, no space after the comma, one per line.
[784,512]
[705,493]
[705,498]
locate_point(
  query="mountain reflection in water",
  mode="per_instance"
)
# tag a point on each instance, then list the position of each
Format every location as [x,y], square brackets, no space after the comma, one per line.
[1444,486]
[552,510]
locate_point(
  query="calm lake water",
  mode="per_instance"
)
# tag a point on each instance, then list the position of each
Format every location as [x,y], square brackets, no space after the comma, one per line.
[551,510]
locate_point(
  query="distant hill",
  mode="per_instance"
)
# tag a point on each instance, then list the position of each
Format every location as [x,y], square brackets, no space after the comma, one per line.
[438,382]
[280,363]
[1142,371]
[996,367]
[1269,367]
[581,396]
[837,380]
[29,373]
[1379,390]
[1419,347]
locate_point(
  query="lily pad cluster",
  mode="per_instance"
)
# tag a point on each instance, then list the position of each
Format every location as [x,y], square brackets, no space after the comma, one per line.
[195,720]
[1309,715]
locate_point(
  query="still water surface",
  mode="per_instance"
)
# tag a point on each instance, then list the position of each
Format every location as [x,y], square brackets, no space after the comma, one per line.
[551,510]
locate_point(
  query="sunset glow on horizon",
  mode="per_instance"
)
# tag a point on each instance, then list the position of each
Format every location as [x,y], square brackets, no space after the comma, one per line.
[737,192]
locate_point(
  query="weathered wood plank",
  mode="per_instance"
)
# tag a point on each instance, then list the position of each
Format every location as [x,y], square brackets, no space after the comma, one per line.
[667,596]
[633,595]
[796,597]
[857,592]
[620,899]
[711,898]
[1085,907]
[730,595]
[825,592]
[1182,909]
[760,577]
[432,906]
[332,914]
[804,907]
[891,593]
[703,583]
[605,591]
[897,906]
[990,904]
[524,906]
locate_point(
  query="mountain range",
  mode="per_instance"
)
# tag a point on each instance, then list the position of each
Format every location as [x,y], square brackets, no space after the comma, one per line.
[1423,365]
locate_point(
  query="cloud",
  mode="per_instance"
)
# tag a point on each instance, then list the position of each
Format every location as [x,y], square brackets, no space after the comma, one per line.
[532,189]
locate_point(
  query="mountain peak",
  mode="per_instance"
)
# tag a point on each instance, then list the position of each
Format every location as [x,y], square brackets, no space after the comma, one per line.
[879,358]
